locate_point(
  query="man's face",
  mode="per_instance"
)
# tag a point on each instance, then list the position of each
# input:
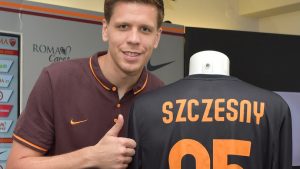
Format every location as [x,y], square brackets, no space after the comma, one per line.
[132,34]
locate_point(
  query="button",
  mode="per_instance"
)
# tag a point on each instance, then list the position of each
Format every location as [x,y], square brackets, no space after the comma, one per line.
[114,89]
[118,105]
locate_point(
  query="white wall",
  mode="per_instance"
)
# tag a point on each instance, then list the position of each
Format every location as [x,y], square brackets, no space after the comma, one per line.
[288,23]
[248,15]
[274,16]
[92,5]
[222,14]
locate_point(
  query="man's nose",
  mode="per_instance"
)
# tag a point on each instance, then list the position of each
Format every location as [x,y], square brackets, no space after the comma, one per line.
[134,37]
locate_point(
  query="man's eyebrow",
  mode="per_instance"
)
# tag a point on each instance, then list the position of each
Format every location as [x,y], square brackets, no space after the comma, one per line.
[148,26]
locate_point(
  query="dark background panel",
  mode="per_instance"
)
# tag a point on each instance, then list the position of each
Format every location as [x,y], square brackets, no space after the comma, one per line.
[270,61]
[267,60]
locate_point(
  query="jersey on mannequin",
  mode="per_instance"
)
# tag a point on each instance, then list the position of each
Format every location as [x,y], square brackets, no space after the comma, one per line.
[211,120]
[209,62]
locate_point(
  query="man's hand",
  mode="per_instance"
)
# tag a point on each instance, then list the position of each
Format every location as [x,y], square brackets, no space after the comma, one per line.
[113,152]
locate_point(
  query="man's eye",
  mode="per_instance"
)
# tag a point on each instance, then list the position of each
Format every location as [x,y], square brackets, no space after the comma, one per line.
[123,27]
[145,29]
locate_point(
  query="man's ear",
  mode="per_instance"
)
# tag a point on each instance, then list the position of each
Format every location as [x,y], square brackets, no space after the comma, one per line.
[157,38]
[104,30]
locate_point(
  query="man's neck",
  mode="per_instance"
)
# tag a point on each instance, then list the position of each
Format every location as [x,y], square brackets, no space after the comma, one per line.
[114,75]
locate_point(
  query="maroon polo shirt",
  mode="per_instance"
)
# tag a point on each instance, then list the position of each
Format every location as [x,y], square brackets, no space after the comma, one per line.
[73,105]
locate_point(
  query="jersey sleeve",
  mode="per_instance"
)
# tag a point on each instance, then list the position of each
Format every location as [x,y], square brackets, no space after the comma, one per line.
[285,141]
[35,128]
[133,133]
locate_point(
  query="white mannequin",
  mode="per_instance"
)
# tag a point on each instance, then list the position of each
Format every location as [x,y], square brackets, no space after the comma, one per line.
[209,62]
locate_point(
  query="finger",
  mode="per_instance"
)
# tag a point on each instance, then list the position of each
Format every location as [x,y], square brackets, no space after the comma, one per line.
[127,160]
[114,131]
[127,142]
[129,152]
[123,166]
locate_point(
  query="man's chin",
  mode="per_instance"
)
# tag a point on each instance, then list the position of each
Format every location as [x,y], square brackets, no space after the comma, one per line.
[132,71]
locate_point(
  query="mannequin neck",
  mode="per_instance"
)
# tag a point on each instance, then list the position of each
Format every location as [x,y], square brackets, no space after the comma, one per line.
[209,62]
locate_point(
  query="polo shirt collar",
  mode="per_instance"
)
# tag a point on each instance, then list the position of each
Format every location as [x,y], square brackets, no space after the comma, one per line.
[100,78]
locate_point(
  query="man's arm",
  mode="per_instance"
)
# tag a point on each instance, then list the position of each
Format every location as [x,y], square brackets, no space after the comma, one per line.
[24,157]
[111,152]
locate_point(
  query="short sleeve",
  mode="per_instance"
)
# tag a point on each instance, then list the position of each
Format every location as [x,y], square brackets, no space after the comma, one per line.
[285,141]
[35,128]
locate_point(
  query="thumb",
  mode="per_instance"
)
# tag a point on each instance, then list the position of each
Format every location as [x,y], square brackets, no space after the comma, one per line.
[114,131]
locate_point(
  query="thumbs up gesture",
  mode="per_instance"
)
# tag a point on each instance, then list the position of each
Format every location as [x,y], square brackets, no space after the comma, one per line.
[113,152]
[114,131]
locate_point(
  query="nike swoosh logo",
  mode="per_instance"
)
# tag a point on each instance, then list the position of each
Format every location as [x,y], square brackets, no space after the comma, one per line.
[151,67]
[2,152]
[73,122]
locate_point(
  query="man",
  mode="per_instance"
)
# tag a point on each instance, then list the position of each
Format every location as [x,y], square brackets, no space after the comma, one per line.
[211,120]
[73,104]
